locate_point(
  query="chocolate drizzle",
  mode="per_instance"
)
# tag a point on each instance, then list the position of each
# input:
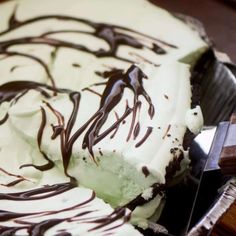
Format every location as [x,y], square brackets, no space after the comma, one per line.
[148,132]
[50,163]
[136,130]
[4,119]
[115,83]
[114,133]
[14,68]
[157,49]
[115,36]
[111,96]
[34,226]
[118,80]
[42,227]
[14,89]
[18,178]
[13,183]
[92,91]
[115,215]
[38,193]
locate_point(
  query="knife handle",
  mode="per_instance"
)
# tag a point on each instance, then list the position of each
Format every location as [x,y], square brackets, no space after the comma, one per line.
[227,161]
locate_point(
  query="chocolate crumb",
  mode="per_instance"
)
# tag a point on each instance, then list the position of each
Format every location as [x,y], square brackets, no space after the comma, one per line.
[53,54]
[174,150]
[76,65]
[195,113]
[145,171]
[166,96]
[188,138]
[100,151]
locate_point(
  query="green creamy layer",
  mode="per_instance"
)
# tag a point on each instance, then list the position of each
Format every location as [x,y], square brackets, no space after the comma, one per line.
[76,48]
[116,171]
[121,182]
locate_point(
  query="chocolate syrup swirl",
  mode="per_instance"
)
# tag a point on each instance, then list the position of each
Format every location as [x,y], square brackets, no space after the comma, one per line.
[117,128]
[50,164]
[30,221]
[38,193]
[115,83]
[18,178]
[12,90]
[115,215]
[13,183]
[111,96]
[115,36]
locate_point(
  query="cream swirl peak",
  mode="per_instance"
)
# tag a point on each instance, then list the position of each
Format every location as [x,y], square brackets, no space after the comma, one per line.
[96,98]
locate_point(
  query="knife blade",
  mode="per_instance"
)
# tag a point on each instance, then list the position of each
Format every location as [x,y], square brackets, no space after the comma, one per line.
[220,164]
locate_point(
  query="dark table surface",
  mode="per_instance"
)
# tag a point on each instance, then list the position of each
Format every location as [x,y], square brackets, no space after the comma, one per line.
[218,17]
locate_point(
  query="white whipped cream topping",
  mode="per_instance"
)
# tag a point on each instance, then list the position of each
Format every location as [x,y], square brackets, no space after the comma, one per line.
[194,119]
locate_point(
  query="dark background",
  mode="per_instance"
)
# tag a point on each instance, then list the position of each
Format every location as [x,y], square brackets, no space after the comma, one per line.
[218,17]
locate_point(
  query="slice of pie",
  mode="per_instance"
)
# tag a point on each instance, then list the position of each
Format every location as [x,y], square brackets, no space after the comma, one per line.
[92,92]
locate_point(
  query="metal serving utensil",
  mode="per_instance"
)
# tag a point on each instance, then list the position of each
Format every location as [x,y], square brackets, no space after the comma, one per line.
[219,168]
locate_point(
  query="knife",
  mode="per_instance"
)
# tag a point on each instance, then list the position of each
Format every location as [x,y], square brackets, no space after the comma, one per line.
[221,163]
